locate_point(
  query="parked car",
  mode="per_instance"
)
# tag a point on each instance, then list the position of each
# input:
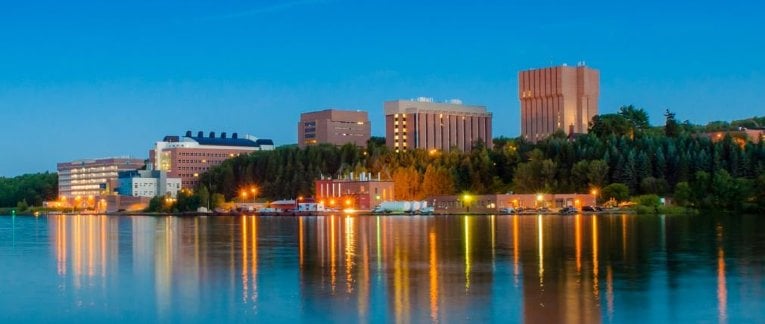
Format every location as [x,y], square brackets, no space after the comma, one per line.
[568,210]
[506,210]
[591,209]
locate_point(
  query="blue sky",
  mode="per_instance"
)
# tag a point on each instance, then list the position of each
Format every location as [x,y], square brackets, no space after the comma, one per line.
[83,79]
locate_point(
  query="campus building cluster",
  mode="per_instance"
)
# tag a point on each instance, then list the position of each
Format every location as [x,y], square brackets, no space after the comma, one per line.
[551,99]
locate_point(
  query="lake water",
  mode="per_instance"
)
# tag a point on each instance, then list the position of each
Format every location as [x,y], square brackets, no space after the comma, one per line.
[380,269]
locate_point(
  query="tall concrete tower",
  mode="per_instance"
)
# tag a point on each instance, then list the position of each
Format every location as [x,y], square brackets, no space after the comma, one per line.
[560,97]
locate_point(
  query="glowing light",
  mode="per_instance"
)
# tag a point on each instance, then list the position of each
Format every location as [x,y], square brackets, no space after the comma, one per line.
[540,197]
[540,243]
[433,278]
[467,252]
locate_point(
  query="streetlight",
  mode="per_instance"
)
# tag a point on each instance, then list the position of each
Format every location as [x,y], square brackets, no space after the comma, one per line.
[594,192]
[466,201]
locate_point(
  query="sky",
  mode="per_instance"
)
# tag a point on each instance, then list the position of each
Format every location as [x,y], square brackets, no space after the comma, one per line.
[89,79]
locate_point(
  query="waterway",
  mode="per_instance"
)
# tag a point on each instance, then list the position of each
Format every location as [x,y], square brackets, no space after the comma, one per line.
[382,269]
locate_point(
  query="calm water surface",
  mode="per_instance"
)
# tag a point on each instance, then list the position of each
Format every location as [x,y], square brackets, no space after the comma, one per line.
[452,269]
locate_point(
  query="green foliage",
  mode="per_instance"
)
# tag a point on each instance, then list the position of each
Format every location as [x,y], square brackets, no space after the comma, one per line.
[620,154]
[671,127]
[217,200]
[610,125]
[22,205]
[617,191]
[32,189]
[637,117]
[652,201]
[683,194]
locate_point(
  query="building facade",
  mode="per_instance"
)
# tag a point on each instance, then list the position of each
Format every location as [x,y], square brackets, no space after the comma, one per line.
[93,177]
[557,98]
[147,183]
[492,203]
[333,126]
[424,124]
[186,157]
[362,192]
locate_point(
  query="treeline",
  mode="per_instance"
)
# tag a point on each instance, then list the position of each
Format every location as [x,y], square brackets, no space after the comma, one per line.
[28,190]
[621,149]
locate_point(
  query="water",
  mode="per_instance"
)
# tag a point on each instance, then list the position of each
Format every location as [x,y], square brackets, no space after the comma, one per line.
[451,269]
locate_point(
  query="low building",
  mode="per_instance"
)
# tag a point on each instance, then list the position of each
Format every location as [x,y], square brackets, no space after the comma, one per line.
[147,183]
[742,135]
[492,203]
[334,126]
[361,192]
[92,177]
[186,157]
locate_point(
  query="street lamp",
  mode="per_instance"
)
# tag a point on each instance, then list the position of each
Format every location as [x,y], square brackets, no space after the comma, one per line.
[594,192]
[466,200]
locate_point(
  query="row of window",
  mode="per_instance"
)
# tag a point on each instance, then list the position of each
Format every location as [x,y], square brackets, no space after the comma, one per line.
[193,168]
[223,155]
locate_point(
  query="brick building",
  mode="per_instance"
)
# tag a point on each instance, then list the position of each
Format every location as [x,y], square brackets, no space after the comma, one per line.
[333,126]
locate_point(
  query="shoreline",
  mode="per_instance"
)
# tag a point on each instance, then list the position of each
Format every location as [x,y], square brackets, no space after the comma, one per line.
[302,214]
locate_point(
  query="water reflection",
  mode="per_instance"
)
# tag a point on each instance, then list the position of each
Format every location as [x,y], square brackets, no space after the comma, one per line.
[535,269]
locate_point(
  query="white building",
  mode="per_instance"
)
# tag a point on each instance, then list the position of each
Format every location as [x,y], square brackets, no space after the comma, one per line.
[148,183]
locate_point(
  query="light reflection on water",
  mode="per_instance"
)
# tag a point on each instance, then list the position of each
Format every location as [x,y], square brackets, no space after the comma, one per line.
[535,269]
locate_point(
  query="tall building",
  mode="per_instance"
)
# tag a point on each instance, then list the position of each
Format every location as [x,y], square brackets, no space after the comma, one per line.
[187,157]
[92,177]
[554,98]
[333,126]
[424,124]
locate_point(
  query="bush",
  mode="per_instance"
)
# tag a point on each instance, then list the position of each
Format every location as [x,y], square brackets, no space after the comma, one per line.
[617,191]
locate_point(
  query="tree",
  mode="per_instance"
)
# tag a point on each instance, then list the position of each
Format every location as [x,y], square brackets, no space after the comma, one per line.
[638,117]
[204,196]
[217,200]
[671,127]
[406,182]
[683,194]
[597,173]
[651,185]
[617,191]
[536,175]
[436,181]
[610,124]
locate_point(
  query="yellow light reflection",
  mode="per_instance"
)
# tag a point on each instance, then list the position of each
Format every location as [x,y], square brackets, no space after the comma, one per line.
[595,287]
[466,222]
[433,278]
[379,257]
[332,254]
[245,262]
[578,238]
[493,242]
[350,251]
[541,252]
[624,237]
[301,245]
[516,253]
